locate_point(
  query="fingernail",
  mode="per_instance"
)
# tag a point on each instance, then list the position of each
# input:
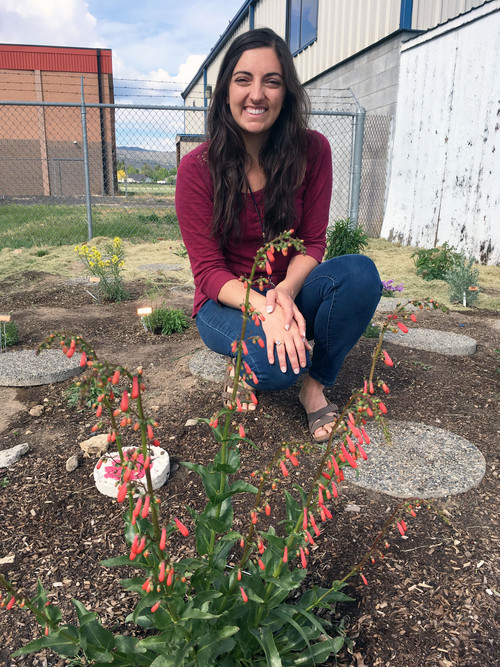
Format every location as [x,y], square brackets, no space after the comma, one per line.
[296,371]
[303,364]
[283,369]
[287,326]
[269,309]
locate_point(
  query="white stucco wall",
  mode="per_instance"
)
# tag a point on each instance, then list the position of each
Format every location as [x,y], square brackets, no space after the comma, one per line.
[445,173]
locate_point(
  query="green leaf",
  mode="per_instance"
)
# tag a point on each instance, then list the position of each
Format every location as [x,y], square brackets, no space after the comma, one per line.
[265,638]
[319,653]
[216,643]
[310,598]
[287,616]
[96,641]
[84,615]
[239,486]
[222,548]
[121,560]
[198,614]
[54,641]
[211,480]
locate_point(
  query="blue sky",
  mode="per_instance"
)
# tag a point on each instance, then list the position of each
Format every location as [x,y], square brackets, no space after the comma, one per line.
[152,40]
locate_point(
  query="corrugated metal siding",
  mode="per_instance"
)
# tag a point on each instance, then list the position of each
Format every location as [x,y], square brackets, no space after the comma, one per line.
[429,13]
[271,15]
[444,176]
[344,28]
[53,59]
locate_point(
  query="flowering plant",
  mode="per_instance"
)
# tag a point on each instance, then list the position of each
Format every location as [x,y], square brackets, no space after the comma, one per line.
[107,270]
[389,289]
[235,601]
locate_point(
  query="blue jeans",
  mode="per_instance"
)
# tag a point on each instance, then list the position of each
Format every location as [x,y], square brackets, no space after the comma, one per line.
[337,300]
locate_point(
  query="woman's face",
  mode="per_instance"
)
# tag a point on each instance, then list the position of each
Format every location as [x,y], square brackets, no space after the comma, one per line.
[256,92]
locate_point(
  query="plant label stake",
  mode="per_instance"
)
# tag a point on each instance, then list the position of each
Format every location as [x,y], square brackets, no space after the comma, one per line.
[3,332]
[93,279]
[144,312]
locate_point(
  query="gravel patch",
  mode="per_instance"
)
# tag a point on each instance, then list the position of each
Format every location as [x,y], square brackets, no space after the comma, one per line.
[422,461]
[27,369]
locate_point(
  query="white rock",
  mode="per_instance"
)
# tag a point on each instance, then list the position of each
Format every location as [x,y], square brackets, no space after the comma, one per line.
[160,469]
[95,446]
[36,411]
[10,456]
[191,422]
[72,463]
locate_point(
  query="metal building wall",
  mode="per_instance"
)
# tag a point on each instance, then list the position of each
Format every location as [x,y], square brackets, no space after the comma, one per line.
[429,13]
[446,157]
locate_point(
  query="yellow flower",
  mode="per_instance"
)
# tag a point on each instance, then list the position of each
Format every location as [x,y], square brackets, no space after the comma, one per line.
[122,263]
[91,264]
[115,259]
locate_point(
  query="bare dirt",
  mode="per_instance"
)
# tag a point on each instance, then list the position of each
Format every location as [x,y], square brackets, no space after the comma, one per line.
[432,600]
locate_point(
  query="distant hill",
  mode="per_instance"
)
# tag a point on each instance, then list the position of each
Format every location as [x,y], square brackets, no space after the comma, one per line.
[136,157]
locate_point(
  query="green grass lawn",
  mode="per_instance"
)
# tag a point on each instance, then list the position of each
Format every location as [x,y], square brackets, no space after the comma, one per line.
[27,226]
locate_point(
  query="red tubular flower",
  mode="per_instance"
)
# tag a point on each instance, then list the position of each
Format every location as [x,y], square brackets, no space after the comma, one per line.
[261,547]
[11,602]
[387,360]
[141,545]
[151,435]
[329,515]
[124,402]
[369,412]
[122,492]
[145,509]
[244,347]
[313,524]
[238,575]
[365,387]
[155,607]
[163,539]
[413,317]
[403,327]
[382,407]
[181,527]
[267,509]
[46,630]
[268,268]
[401,529]
[135,543]
[254,379]
[348,457]
[385,388]
[261,564]
[70,352]
[304,520]
[147,463]
[366,437]
[294,460]
[161,575]
[285,555]
[364,455]
[309,538]
[83,360]
[352,448]
[234,346]
[253,516]
[242,543]
[99,464]
[261,342]
[363,578]
[94,428]
[328,494]
[243,594]
[98,412]
[334,490]
[170,576]
[127,474]
[137,507]
[404,525]
[322,513]
[336,468]
[303,558]
[116,377]
[135,387]
[371,388]
[320,497]
[283,469]
[270,256]
[241,431]
[64,349]
[326,475]
[247,368]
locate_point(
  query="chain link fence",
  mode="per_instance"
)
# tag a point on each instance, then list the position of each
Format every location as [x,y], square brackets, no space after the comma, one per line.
[69,172]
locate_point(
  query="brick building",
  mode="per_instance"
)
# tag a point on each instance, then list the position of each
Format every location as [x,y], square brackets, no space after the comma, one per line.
[41,149]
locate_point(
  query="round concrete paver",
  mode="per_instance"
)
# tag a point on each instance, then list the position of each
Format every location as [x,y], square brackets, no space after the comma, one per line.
[27,369]
[422,462]
[208,365]
[161,267]
[443,342]
[389,303]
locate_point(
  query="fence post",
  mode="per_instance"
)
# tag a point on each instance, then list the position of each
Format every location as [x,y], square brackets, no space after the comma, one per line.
[86,167]
[359,128]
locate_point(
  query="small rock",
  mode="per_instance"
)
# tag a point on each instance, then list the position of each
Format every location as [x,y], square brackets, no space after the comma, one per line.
[10,456]
[95,446]
[353,508]
[36,411]
[72,463]
[7,560]
[175,467]
[191,422]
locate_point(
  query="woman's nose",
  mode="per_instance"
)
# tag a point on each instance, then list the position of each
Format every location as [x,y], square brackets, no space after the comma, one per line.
[257,91]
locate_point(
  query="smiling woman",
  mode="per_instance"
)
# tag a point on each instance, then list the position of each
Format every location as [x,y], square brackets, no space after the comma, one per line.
[262,173]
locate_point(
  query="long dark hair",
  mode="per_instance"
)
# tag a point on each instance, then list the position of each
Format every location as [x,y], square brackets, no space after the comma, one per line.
[282,158]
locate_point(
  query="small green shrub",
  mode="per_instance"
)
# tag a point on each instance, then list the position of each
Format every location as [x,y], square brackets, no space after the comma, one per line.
[166,321]
[11,334]
[462,279]
[372,331]
[342,239]
[83,393]
[434,263]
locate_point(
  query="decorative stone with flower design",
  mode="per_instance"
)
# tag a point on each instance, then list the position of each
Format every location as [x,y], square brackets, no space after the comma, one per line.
[108,474]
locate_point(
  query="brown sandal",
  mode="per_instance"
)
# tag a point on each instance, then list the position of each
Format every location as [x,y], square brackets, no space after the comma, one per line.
[326,415]
[244,393]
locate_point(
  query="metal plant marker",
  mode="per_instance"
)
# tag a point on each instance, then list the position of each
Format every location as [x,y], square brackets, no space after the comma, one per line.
[3,332]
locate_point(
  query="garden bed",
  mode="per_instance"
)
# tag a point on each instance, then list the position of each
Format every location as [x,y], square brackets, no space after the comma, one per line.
[431,600]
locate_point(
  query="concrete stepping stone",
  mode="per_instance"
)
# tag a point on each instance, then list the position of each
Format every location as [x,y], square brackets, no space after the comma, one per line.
[389,303]
[161,267]
[107,475]
[208,365]
[443,342]
[24,368]
[422,462]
